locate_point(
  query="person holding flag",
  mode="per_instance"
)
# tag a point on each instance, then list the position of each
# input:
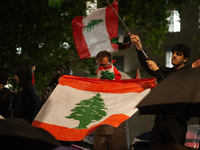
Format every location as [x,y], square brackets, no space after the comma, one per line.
[167,130]
[106,136]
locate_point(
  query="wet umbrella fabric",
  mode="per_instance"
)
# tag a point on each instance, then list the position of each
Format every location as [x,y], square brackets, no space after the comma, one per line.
[178,94]
[19,134]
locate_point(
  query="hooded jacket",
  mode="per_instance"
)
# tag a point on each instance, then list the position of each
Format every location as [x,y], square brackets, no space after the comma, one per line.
[27,99]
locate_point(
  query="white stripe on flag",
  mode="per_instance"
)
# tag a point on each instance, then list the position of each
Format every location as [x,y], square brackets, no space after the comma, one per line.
[98,38]
[65,98]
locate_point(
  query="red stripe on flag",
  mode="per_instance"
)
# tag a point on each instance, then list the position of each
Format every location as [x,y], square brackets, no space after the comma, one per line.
[68,134]
[79,39]
[112,23]
[107,86]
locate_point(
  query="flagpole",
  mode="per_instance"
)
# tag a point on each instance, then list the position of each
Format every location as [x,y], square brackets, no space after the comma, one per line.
[126,27]
[119,17]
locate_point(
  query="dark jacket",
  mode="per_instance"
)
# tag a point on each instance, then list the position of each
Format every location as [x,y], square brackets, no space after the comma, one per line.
[168,129]
[5,102]
[27,99]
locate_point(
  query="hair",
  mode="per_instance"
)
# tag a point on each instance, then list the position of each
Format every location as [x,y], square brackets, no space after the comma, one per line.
[24,74]
[59,71]
[183,49]
[3,78]
[103,54]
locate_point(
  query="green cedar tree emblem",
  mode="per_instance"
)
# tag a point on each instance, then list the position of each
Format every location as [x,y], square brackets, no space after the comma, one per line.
[107,75]
[92,23]
[88,111]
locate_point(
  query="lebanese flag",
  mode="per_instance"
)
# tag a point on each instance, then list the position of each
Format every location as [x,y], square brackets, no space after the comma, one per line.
[79,105]
[94,33]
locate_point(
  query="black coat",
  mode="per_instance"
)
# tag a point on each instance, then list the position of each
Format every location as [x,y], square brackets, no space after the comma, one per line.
[28,101]
[5,102]
[167,130]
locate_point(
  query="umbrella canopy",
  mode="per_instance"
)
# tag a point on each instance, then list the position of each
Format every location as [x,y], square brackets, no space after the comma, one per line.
[19,134]
[178,94]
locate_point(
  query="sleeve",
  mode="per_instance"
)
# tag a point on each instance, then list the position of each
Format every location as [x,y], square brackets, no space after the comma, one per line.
[159,75]
[143,63]
[162,73]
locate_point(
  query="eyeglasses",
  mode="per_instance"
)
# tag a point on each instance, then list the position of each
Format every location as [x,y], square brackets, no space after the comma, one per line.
[103,65]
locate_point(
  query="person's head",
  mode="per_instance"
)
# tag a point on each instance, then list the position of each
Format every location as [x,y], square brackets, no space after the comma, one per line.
[59,71]
[3,78]
[180,54]
[104,59]
[23,74]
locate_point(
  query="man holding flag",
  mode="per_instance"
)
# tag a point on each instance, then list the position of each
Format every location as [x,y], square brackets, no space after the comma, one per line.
[107,137]
[167,130]
[84,103]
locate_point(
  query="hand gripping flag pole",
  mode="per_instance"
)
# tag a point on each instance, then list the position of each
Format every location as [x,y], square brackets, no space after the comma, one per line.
[126,28]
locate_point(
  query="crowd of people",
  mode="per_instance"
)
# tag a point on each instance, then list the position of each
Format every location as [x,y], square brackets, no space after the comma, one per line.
[27,102]
[167,130]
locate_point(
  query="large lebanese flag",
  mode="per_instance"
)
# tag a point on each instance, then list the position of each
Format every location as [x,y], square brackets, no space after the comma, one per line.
[94,33]
[79,105]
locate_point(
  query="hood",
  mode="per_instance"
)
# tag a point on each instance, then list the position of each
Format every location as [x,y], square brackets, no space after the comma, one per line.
[24,74]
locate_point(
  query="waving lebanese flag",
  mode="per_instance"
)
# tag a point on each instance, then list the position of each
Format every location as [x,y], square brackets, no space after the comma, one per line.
[79,105]
[94,33]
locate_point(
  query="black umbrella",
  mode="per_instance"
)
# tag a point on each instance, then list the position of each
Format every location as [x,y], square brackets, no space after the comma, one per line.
[19,134]
[178,94]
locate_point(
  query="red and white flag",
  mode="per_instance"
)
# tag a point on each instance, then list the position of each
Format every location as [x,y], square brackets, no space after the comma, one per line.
[79,105]
[94,32]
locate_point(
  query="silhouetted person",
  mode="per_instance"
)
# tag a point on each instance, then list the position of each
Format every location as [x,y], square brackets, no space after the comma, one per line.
[27,100]
[59,71]
[5,97]
[168,129]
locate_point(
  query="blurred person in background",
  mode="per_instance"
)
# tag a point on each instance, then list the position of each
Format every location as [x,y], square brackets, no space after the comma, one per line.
[6,97]
[58,72]
[28,102]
